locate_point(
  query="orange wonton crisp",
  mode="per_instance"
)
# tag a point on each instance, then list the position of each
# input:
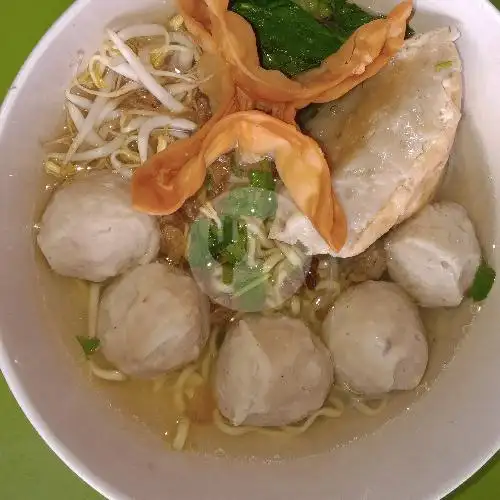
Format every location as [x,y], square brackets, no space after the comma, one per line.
[367,50]
[299,160]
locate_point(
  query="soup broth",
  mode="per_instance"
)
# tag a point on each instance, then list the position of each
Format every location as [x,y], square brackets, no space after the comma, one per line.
[151,403]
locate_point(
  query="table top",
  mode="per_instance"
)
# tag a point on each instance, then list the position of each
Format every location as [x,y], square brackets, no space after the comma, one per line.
[28,468]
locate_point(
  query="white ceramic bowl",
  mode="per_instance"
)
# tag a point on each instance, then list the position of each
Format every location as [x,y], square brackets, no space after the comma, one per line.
[424,453]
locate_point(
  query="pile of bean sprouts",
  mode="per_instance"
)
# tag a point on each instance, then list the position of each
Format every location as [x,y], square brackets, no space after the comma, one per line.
[158,65]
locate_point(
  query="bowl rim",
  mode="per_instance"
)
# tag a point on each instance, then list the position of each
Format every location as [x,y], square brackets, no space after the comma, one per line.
[7,365]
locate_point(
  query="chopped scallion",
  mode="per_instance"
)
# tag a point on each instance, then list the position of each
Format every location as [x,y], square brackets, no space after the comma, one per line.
[88,344]
[227,274]
[483,283]
[444,65]
[263,179]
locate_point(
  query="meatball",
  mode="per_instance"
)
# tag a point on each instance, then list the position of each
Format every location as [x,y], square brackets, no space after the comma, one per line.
[152,320]
[435,255]
[271,371]
[90,230]
[377,339]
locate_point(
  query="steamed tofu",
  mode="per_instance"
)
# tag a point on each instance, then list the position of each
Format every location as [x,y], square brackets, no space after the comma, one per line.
[388,141]
[377,339]
[271,371]
[435,255]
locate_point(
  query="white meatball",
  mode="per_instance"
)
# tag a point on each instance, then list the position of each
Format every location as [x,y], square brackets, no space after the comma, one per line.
[271,371]
[435,255]
[152,320]
[90,230]
[377,339]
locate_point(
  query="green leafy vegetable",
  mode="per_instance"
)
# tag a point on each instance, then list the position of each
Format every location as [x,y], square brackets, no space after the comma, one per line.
[236,250]
[347,17]
[320,9]
[88,344]
[229,245]
[483,283]
[289,38]
[227,274]
[294,36]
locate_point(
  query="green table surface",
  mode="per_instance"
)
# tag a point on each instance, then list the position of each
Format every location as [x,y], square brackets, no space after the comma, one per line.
[28,468]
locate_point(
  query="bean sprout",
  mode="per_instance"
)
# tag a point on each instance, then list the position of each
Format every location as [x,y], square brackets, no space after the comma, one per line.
[210,213]
[97,78]
[93,154]
[81,102]
[125,170]
[119,66]
[144,76]
[171,74]
[157,122]
[109,375]
[178,134]
[133,125]
[108,109]
[177,89]
[86,127]
[125,89]
[144,30]
[78,120]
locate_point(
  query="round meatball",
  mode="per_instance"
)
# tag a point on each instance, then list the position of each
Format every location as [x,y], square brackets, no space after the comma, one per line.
[435,255]
[377,339]
[271,371]
[90,230]
[152,320]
